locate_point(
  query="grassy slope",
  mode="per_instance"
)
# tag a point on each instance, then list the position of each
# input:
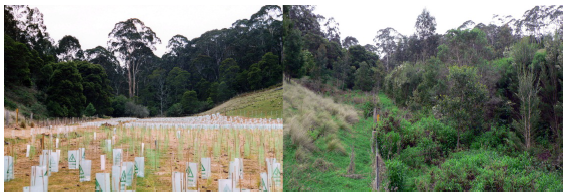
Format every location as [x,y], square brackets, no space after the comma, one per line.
[324,170]
[265,103]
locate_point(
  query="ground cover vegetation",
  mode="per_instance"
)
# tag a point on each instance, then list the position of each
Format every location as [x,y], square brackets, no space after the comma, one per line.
[475,108]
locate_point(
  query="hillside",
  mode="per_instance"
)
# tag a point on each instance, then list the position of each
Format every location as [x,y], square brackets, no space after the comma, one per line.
[327,143]
[265,103]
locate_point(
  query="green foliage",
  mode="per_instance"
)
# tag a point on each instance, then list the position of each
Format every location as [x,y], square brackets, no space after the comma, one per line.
[136,110]
[190,102]
[17,63]
[363,75]
[402,81]
[464,103]
[90,110]
[65,92]
[119,105]
[10,105]
[396,174]
[96,87]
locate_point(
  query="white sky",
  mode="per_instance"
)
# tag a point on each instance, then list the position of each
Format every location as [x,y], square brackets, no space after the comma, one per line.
[363,21]
[90,24]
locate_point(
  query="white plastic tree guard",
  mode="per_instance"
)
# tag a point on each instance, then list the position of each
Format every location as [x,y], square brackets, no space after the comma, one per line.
[177,180]
[82,152]
[115,178]
[191,173]
[84,170]
[116,157]
[28,147]
[72,159]
[39,181]
[139,166]
[225,185]
[264,187]
[205,168]
[8,168]
[102,182]
[54,161]
[129,172]
[102,162]
[108,145]
[276,175]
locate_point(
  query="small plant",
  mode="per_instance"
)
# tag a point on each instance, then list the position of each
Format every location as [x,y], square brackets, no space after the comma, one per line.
[23,125]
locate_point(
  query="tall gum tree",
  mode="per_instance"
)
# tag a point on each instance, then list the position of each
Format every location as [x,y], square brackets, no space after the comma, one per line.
[130,41]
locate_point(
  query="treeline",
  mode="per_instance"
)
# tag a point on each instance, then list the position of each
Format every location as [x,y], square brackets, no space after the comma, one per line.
[472,77]
[125,77]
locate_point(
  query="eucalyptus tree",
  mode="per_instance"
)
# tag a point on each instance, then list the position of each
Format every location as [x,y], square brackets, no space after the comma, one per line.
[69,49]
[350,41]
[385,42]
[99,55]
[426,31]
[132,42]
[332,31]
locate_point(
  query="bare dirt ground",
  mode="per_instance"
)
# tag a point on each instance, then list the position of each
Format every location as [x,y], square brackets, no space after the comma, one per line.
[156,179]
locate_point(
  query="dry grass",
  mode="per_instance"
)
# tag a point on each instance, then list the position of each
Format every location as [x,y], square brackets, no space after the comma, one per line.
[309,117]
[265,103]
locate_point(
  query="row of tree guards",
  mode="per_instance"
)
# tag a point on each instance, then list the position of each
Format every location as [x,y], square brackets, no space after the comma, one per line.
[200,141]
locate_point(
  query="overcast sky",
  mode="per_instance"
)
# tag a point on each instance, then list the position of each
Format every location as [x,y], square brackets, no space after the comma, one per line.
[363,21]
[91,24]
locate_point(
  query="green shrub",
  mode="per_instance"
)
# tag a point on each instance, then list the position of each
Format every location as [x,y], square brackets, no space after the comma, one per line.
[412,156]
[396,174]
[175,110]
[10,105]
[90,110]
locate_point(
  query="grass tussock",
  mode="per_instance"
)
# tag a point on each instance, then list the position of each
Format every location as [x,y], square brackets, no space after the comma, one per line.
[310,117]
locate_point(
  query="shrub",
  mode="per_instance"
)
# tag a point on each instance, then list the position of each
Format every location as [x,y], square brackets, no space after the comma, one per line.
[396,174]
[22,125]
[10,104]
[175,110]
[90,110]
[136,110]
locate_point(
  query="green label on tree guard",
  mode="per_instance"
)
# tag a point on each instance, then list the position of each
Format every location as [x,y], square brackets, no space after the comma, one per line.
[190,172]
[202,168]
[123,178]
[263,186]
[136,167]
[81,172]
[72,158]
[97,187]
[226,188]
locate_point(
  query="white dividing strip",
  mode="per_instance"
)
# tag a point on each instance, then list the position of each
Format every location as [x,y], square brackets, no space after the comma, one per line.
[56,142]
[27,151]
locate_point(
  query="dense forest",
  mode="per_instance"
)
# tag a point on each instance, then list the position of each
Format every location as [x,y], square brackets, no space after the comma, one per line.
[475,108]
[125,78]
